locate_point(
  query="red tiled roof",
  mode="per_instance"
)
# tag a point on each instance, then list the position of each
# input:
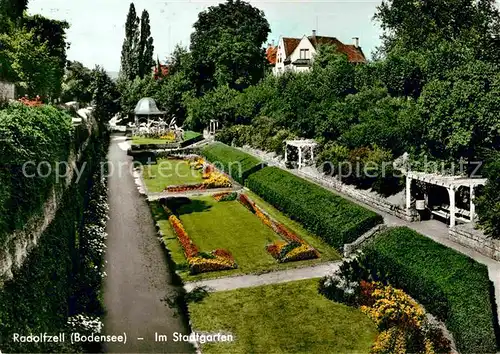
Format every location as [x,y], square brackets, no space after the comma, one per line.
[271,54]
[290,45]
[354,54]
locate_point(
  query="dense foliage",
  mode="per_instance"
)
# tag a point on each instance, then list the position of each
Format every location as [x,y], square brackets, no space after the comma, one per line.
[450,285]
[488,201]
[30,145]
[236,163]
[137,50]
[55,281]
[327,215]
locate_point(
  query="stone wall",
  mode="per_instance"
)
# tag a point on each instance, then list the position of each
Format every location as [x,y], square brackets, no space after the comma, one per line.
[358,194]
[469,237]
[350,248]
[7,90]
[16,248]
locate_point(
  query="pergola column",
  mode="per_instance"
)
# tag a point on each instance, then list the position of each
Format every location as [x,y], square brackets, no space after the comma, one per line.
[451,192]
[300,157]
[312,153]
[286,152]
[408,194]
[472,205]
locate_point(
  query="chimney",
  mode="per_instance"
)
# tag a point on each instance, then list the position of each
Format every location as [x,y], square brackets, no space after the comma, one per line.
[314,35]
[273,42]
[356,41]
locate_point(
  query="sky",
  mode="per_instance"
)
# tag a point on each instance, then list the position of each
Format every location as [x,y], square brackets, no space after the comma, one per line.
[98,26]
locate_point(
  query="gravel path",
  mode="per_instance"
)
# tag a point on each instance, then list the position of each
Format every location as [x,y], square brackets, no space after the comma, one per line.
[138,278]
[282,276]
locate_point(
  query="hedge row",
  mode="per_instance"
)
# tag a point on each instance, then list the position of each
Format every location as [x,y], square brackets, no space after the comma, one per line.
[37,135]
[234,162]
[450,285]
[336,220]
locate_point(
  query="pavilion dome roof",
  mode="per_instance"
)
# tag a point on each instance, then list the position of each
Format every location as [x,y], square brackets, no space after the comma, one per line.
[147,106]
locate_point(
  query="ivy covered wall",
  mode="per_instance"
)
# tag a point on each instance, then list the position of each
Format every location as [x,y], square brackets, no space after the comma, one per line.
[46,289]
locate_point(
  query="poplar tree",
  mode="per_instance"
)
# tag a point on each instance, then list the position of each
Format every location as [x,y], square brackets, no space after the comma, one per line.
[146,47]
[130,49]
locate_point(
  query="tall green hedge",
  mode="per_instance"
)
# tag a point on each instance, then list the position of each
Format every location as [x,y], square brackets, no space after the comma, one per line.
[336,220]
[450,285]
[234,162]
[36,134]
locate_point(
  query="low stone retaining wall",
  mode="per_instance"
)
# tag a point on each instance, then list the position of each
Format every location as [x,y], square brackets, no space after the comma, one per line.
[350,248]
[469,237]
[358,194]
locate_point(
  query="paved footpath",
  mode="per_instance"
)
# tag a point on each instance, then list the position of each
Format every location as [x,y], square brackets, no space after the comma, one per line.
[281,276]
[138,280]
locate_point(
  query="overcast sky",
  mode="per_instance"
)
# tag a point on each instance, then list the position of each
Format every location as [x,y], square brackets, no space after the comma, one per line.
[97,26]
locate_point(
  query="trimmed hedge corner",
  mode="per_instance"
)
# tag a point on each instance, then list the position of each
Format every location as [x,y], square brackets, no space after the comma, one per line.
[234,162]
[450,285]
[336,220]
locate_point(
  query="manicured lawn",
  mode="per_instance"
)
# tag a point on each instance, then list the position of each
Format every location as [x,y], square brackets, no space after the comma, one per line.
[229,225]
[139,140]
[282,318]
[168,173]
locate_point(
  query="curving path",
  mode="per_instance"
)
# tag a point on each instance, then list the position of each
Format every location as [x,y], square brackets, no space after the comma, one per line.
[138,278]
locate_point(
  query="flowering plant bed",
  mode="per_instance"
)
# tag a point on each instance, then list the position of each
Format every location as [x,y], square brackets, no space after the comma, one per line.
[211,178]
[225,196]
[293,248]
[199,262]
[402,322]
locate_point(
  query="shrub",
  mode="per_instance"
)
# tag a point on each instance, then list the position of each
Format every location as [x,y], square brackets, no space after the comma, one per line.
[39,134]
[234,162]
[329,216]
[450,285]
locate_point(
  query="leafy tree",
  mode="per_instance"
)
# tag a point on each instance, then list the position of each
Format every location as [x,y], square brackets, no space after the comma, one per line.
[35,70]
[13,9]
[412,25]
[130,49]
[461,113]
[226,45]
[488,200]
[53,34]
[105,95]
[76,83]
[217,104]
[146,47]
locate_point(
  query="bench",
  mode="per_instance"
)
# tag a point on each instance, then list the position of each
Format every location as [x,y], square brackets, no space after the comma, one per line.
[443,211]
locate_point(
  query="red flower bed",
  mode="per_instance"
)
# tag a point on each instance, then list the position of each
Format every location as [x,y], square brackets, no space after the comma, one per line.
[185,188]
[223,254]
[287,234]
[246,202]
[31,103]
[190,249]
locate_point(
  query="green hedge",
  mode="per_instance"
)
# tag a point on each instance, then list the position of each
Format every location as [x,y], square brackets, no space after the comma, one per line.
[233,161]
[46,289]
[336,220]
[35,134]
[450,285]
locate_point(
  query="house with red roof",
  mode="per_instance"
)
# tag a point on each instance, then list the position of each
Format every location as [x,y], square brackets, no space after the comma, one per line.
[296,54]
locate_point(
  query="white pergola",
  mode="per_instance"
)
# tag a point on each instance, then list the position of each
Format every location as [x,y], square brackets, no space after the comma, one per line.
[213,125]
[300,145]
[451,183]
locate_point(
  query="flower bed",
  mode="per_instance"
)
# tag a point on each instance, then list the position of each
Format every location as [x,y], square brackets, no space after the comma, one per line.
[225,196]
[295,249]
[199,262]
[211,178]
[402,322]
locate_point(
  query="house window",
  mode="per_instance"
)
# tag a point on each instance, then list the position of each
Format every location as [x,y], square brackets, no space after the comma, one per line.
[304,54]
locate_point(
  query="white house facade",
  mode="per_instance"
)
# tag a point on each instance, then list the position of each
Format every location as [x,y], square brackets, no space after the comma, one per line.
[297,54]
